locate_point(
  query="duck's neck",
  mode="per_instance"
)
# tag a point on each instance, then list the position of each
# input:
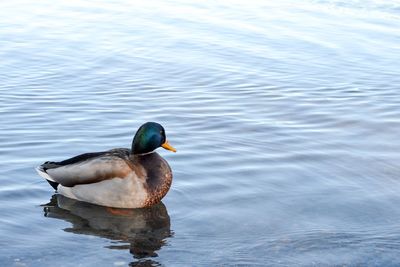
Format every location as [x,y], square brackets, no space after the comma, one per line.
[141,154]
[142,146]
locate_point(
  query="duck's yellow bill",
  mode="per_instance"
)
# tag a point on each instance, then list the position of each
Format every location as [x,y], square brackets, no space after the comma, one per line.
[167,146]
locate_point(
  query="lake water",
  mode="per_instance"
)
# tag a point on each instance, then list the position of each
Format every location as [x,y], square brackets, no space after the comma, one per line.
[285,114]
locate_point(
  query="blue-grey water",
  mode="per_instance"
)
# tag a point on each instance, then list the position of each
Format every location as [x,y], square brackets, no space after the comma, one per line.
[285,114]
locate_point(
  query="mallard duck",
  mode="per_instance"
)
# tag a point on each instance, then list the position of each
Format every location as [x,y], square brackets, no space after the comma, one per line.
[120,178]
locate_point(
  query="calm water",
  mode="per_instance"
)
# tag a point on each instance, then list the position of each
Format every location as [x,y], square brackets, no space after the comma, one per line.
[286,117]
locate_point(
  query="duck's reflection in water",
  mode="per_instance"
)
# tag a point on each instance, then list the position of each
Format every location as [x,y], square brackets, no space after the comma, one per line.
[141,231]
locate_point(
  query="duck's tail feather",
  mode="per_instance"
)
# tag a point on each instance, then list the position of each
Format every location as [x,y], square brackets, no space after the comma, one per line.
[46,176]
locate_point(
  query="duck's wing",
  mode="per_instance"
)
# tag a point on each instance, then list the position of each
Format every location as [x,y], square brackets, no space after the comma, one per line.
[87,168]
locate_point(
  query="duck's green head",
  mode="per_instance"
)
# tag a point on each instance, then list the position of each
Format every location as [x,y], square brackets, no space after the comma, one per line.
[149,137]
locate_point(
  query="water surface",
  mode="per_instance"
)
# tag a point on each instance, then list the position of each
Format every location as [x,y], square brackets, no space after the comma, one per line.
[286,117]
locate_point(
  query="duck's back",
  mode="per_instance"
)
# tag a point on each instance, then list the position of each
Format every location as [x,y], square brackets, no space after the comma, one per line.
[113,178]
[87,168]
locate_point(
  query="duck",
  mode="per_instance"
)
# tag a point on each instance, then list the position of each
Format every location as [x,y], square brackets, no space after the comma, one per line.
[118,178]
